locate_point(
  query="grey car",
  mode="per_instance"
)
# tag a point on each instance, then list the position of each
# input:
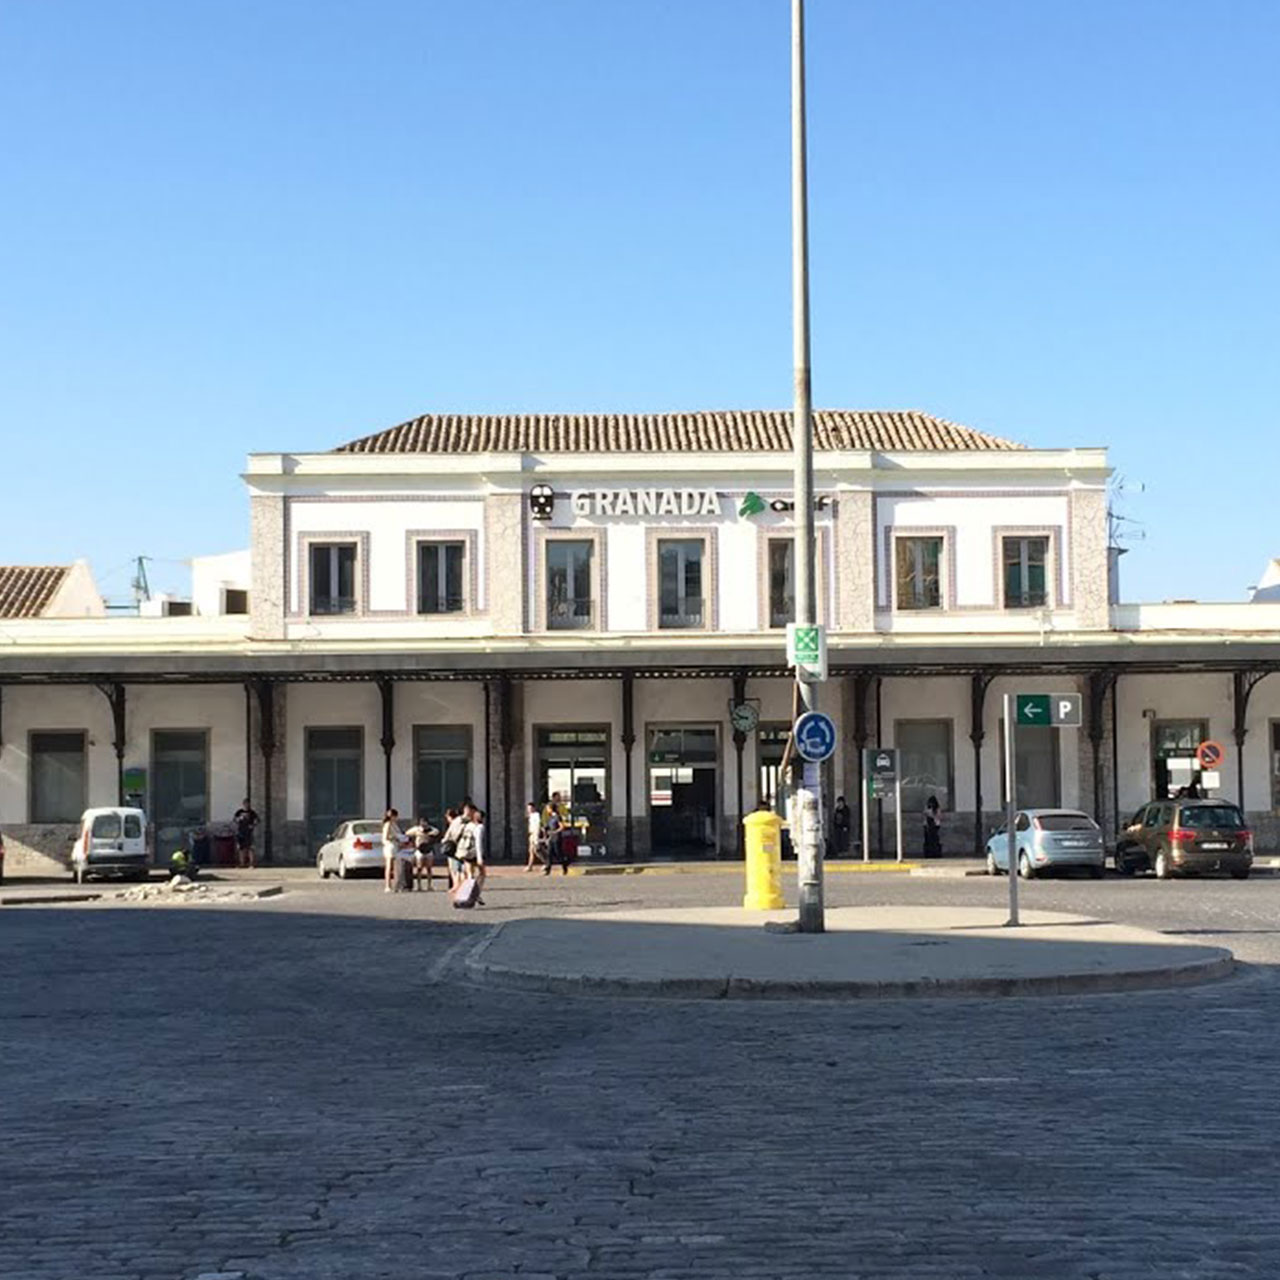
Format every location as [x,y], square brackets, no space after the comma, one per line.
[1048,839]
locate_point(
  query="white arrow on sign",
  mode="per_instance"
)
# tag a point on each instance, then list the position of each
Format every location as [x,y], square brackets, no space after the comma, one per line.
[1031,710]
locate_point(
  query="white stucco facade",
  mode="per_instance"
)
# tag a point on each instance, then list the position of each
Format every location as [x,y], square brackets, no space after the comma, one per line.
[346,688]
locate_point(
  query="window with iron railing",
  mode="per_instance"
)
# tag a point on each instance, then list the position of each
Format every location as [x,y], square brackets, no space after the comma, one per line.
[1025,573]
[333,577]
[570,606]
[441,566]
[681,604]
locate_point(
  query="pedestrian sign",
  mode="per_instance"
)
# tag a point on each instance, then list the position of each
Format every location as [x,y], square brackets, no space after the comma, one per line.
[815,736]
[1062,710]
[807,651]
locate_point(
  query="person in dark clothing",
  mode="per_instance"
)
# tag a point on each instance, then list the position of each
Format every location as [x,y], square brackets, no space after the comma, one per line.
[244,820]
[841,821]
[932,828]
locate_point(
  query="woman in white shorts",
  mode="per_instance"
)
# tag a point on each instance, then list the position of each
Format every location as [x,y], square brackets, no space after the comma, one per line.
[390,848]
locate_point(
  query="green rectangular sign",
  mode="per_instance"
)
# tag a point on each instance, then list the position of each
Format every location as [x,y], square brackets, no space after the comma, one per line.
[1033,708]
[807,642]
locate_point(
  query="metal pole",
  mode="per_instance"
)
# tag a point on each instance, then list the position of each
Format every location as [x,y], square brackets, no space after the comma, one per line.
[1010,806]
[897,813]
[809,797]
[866,813]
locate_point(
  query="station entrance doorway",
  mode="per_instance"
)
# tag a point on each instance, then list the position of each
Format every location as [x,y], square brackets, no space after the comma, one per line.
[684,788]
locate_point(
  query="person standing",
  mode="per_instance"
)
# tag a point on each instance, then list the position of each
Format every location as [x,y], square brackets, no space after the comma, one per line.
[471,850]
[841,821]
[391,837]
[932,828]
[244,820]
[555,841]
[423,835]
[453,824]
[534,824]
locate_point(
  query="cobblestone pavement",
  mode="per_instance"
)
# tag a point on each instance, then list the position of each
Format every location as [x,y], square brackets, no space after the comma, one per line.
[300,1088]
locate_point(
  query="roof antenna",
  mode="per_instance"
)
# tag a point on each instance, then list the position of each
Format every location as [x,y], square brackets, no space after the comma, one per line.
[141,587]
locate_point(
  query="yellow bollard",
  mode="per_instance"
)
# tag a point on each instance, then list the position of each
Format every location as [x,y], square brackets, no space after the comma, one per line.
[764,861]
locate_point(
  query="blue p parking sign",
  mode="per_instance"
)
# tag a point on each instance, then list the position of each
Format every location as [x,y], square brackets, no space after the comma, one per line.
[815,736]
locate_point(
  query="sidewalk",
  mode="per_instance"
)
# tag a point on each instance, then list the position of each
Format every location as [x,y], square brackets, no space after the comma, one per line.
[728,952]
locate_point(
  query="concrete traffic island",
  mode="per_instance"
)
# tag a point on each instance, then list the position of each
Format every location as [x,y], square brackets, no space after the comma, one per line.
[867,952]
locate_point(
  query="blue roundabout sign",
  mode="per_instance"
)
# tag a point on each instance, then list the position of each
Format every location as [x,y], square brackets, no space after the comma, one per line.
[815,736]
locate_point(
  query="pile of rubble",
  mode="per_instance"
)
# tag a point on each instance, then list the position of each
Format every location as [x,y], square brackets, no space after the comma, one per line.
[180,889]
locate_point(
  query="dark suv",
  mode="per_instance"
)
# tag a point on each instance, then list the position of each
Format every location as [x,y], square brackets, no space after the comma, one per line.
[1172,836]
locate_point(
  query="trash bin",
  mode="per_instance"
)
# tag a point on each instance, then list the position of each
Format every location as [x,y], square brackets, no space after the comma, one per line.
[764,861]
[224,849]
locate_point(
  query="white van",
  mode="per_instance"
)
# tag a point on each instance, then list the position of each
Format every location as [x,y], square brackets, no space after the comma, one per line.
[111,842]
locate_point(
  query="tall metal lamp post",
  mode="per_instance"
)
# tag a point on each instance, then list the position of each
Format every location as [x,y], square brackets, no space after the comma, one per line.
[807,798]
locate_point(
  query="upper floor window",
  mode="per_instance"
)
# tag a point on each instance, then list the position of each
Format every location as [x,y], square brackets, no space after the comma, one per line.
[681,600]
[440,577]
[569,603]
[782,581]
[1025,562]
[333,577]
[918,572]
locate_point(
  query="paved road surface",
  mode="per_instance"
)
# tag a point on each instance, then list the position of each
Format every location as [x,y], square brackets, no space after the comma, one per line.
[300,1089]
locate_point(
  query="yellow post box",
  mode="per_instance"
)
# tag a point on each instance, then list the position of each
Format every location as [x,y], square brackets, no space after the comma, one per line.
[764,861]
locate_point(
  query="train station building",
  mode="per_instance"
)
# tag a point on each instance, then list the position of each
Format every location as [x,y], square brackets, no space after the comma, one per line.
[506,607]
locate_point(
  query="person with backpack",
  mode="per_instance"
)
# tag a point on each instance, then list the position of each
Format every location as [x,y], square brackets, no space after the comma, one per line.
[470,854]
[453,823]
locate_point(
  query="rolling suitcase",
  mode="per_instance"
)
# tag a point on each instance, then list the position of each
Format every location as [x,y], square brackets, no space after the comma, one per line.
[466,894]
[404,875]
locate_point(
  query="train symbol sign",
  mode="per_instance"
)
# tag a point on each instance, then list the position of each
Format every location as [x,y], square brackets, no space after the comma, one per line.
[815,736]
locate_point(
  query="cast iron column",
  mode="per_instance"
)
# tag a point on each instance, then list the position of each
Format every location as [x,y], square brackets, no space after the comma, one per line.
[979,683]
[267,745]
[115,695]
[628,741]
[387,692]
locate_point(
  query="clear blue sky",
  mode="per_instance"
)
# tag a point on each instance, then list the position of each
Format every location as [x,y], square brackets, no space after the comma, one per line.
[253,225]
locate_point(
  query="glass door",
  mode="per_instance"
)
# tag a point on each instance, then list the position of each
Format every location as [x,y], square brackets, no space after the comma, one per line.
[573,762]
[441,770]
[179,787]
[684,774]
[335,782]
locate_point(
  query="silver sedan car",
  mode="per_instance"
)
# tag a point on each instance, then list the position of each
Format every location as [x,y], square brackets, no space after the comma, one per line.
[1048,839]
[354,846]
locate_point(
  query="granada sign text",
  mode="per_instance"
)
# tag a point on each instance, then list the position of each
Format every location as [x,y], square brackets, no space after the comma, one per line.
[645,502]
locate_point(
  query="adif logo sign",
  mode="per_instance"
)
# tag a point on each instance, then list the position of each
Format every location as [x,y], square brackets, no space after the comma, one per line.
[754,505]
[646,502]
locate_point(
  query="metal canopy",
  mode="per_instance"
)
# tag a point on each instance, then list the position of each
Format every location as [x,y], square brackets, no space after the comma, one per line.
[613,662]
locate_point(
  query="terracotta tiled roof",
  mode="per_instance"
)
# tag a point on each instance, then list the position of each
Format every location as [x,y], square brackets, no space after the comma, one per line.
[752,431]
[27,590]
